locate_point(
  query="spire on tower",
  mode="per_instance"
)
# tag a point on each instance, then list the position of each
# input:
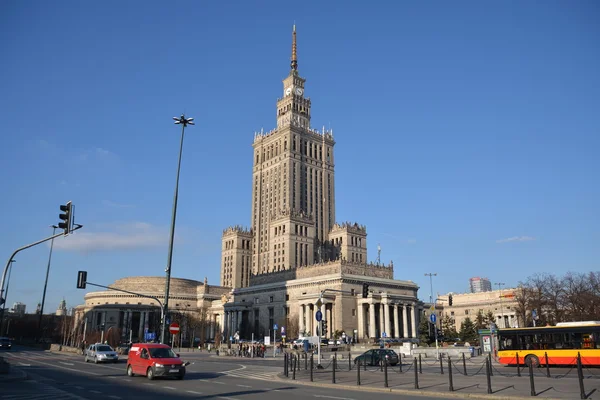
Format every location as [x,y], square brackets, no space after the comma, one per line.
[294,63]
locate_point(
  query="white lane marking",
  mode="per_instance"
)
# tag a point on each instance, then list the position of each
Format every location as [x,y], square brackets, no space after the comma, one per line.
[66,363]
[228,398]
[114,397]
[276,390]
[169,387]
[332,397]
[95,391]
[113,377]
[246,386]
[58,366]
[25,365]
[192,392]
[219,383]
[78,387]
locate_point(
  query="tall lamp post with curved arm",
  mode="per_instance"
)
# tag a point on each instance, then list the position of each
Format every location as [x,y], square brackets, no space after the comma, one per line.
[183,121]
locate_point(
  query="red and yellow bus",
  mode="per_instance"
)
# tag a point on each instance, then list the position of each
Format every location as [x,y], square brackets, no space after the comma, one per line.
[562,343]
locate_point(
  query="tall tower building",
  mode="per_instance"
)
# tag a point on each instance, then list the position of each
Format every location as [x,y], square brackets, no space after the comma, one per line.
[478,285]
[293,192]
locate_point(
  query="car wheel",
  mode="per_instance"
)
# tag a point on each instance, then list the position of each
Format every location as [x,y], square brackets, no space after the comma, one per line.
[150,374]
[130,371]
[95,360]
[86,359]
[180,376]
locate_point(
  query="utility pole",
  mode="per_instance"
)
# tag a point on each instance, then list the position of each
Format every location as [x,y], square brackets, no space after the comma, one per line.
[431,275]
[500,284]
[54,227]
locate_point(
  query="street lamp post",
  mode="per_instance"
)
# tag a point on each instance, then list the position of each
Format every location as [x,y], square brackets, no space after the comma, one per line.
[54,227]
[183,121]
[500,284]
[5,297]
[431,275]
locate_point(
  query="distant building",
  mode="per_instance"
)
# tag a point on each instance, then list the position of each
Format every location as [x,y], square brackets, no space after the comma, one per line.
[18,309]
[62,308]
[479,285]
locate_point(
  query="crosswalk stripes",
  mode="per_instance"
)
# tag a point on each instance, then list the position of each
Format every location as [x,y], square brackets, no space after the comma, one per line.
[265,376]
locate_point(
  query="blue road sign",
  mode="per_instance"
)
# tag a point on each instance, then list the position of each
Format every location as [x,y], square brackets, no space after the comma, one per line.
[319,316]
[384,334]
[149,336]
[275,327]
[432,318]
[283,330]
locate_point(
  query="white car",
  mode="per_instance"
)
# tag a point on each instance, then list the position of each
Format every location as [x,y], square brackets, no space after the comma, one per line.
[99,352]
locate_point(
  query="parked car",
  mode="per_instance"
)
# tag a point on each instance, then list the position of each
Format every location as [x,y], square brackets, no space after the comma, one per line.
[374,357]
[5,343]
[99,352]
[153,360]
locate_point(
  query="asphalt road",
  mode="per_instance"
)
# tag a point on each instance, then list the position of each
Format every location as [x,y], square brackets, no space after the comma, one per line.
[60,376]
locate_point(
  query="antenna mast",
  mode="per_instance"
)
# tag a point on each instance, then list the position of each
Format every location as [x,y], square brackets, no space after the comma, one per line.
[378,254]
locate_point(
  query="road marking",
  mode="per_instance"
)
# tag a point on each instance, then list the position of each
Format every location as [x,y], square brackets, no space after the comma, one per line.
[25,365]
[276,390]
[228,398]
[246,386]
[332,397]
[69,369]
[219,383]
[66,363]
[113,377]
[192,392]
[95,391]
[169,387]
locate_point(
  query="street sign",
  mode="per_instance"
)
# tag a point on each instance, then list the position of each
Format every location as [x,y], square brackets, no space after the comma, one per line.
[384,334]
[174,328]
[432,318]
[274,327]
[319,303]
[149,336]
[283,330]
[319,316]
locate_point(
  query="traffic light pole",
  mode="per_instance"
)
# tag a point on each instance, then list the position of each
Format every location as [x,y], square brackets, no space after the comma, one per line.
[319,366]
[10,260]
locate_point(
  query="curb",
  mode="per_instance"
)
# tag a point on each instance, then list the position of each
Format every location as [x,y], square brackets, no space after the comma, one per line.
[414,392]
[20,376]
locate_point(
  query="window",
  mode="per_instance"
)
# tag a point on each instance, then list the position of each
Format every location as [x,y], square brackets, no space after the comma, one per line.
[287,297]
[270,299]
[354,311]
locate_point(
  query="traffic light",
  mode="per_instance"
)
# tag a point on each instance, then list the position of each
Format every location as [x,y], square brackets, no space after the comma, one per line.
[324,330]
[81,279]
[365,292]
[450,300]
[66,217]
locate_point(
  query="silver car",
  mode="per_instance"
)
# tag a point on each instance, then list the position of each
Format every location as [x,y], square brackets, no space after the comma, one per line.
[99,352]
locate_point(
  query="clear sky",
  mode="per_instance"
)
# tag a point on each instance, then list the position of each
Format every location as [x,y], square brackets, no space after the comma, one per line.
[467,132]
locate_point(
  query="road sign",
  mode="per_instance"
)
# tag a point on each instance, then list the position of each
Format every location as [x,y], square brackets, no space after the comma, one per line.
[319,316]
[384,334]
[283,330]
[274,327]
[432,318]
[174,328]
[319,303]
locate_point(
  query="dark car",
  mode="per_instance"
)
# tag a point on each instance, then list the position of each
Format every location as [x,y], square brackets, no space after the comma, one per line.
[374,357]
[5,343]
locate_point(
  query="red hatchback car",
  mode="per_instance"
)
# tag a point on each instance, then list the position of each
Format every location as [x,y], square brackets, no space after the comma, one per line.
[152,360]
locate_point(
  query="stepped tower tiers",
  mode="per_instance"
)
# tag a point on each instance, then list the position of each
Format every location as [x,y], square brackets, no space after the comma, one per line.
[293,197]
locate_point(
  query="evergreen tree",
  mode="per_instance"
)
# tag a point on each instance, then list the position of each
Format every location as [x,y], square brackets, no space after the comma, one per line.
[481,321]
[468,333]
[424,327]
[448,328]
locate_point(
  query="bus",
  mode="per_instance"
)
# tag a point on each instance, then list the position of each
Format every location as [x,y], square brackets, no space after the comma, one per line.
[561,343]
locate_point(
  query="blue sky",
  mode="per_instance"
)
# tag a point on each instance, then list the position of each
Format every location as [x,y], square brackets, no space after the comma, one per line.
[467,133]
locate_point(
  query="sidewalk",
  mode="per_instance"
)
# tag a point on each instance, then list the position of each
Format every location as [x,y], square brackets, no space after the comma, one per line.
[505,383]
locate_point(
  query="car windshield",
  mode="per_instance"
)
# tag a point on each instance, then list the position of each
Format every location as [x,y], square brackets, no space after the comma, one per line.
[162,352]
[104,348]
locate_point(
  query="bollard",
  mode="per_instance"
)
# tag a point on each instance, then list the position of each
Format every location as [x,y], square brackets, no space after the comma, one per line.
[400,361]
[358,374]
[385,376]
[294,359]
[416,374]
[442,365]
[285,365]
[381,365]
[531,382]
[420,365]
[547,364]
[305,361]
[580,377]
[334,365]
[464,365]
[487,375]
[451,384]
[490,358]
[349,361]
[312,366]
[518,366]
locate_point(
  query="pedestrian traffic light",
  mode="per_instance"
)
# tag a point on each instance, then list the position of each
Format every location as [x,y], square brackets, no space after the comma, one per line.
[365,292]
[81,279]
[450,300]
[66,217]
[324,330]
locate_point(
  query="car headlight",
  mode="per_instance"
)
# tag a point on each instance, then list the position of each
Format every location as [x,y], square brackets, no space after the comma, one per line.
[158,365]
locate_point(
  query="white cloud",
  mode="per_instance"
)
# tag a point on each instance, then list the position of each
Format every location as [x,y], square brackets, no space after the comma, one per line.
[516,239]
[131,236]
